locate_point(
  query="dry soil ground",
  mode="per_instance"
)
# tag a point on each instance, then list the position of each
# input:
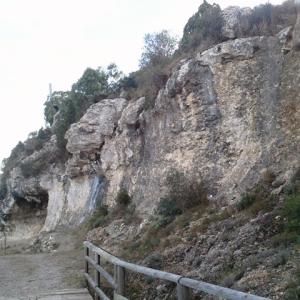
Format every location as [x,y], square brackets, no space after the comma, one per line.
[22,275]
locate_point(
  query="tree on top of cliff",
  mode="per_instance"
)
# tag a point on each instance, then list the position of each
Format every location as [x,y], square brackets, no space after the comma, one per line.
[92,82]
[204,26]
[53,104]
[65,108]
[158,48]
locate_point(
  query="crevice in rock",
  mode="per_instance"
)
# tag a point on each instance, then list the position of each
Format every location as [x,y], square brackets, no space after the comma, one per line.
[28,214]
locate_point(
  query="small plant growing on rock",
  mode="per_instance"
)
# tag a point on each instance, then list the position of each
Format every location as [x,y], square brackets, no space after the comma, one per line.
[183,194]
[98,218]
[246,201]
[293,288]
[256,200]
[291,211]
[291,208]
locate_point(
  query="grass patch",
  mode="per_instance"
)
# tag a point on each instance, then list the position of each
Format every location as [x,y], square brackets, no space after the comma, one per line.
[291,212]
[256,200]
[293,288]
[98,218]
[183,194]
[285,239]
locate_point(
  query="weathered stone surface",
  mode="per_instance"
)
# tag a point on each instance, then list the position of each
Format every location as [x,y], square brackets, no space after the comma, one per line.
[296,32]
[285,35]
[239,49]
[99,121]
[223,117]
[130,115]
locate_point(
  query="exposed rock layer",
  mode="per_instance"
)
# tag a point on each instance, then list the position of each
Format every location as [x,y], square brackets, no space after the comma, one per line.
[225,117]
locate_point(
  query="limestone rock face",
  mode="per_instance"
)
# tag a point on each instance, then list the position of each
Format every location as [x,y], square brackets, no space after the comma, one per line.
[224,118]
[99,121]
[221,118]
[238,49]
[51,198]
[296,32]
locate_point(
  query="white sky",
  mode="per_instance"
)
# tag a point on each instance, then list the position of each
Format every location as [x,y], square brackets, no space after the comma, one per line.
[56,40]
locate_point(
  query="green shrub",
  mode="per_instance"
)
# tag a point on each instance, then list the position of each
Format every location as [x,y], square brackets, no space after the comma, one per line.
[293,289]
[158,48]
[285,239]
[204,27]
[168,208]
[280,258]
[65,108]
[34,167]
[149,80]
[292,293]
[246,201]
[98,218]
[130,216]
[267,19]
[290,189]
[183,194]
[36,140]
[256,200]
[291,211]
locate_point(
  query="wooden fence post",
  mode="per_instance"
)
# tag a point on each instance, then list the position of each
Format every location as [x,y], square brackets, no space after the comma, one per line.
[97,275]
[183,293]
[86,253]
[120,279]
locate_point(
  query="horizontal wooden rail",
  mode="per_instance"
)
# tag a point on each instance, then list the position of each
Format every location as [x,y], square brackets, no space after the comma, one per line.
[182,282]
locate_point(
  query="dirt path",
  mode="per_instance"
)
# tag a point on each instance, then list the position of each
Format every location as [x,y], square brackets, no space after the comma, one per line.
[22,275]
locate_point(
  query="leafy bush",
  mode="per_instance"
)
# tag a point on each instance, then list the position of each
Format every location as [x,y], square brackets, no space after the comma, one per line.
[256,200]
[35,167]
[183,194]
[291,211]
[292,293]
[280,258]
[67,113]
[204,27]
[53,104]
[267,19]
[168,208]
[127,83]
[246,201]
[98,218]
[149,81]
[36,140]
[293,289]
[65,108]
[284,239]
[158,48]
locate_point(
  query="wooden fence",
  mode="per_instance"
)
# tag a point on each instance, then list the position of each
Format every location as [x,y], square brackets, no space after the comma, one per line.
[94,255]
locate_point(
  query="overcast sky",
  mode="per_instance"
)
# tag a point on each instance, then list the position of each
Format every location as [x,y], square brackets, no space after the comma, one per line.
[56,40]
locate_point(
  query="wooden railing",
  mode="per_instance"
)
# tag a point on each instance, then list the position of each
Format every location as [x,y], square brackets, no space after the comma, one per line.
[184,284]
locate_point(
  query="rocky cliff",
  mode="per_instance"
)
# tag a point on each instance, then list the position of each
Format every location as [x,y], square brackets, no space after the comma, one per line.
[226,117]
